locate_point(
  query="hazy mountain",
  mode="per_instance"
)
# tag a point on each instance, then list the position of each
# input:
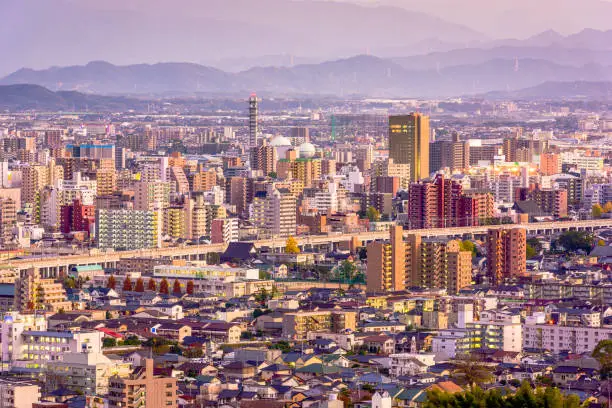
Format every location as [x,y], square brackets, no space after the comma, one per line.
[588,90]
[361,75]
[33,97]
[41,33]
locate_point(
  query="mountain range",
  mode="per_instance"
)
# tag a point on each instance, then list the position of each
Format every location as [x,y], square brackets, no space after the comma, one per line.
[356,76]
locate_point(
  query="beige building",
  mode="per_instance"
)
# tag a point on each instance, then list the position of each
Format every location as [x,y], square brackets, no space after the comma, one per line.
[298,325]
[18,393]
[34,292]
[142,389]
[86,372]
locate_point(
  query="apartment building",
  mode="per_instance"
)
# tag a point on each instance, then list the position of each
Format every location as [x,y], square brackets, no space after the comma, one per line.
[142,389]
[298,325]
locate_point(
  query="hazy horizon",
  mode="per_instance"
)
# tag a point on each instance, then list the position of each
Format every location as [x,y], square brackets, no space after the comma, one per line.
[233,34]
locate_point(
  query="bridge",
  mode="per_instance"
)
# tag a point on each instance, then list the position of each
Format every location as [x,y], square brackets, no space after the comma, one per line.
[59,265]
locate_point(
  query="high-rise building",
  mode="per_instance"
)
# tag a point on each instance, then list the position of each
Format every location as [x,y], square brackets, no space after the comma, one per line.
[506,254]
[409,143]
[550,164]
[264,158]
[149,196]
[386,270]
[274,212]
[253,121]
[128,229]
[454,154]
[8,217]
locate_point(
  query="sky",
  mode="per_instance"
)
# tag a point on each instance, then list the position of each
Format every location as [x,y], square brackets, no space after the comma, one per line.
[42,33]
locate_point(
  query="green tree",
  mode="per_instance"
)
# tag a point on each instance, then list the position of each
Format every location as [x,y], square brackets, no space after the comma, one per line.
[468,245]
[525,397]
[273,175]
[530,252]
[597,211]
[109,342]
[262,296]
[291,246]
[373,214]
[346,271]
[69,282]
[603,354]
[576,240]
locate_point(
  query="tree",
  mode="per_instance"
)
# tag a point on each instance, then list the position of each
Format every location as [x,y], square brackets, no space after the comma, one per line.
[525,396]
[176,287]
[189,288]
[607,208]
[164,287]
[597,210]
[347,271]
[139,285]
[127,284]
[273,175]
[109,342]
[111,283]
[530,252]
[291,247]
[603,354]
[151,285]
[257,312]
[373,214]
[262,296]
[576,240]
[69,282]
[468,245]
[470,371]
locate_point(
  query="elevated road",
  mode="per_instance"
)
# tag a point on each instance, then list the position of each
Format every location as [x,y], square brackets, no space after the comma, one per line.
[56,265]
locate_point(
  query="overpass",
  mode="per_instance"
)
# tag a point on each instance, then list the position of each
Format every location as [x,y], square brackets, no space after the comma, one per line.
[59,265]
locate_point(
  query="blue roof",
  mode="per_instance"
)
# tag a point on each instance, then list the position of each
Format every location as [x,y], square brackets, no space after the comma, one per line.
[7,289]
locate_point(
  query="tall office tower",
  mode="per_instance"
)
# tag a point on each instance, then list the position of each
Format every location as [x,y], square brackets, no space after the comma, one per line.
[8,217]
[409,143]
[253,121]
[506,254]
[386,270]
[454,154]
[128,229]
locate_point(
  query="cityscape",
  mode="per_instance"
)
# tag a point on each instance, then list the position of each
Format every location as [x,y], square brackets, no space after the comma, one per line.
[292,224]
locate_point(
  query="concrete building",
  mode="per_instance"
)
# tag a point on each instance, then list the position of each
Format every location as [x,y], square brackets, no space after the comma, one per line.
[128,229]
[409,143]
[506,254]
[85,372]
[142,389]
[18,393]
[298,325]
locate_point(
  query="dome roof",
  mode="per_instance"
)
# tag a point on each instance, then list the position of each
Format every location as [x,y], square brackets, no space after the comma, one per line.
[307,150]
[279,141]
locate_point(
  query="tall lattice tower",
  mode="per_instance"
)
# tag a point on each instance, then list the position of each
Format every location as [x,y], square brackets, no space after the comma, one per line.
[253,121]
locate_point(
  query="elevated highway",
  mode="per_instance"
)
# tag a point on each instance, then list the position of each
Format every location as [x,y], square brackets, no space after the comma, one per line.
[57,265]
